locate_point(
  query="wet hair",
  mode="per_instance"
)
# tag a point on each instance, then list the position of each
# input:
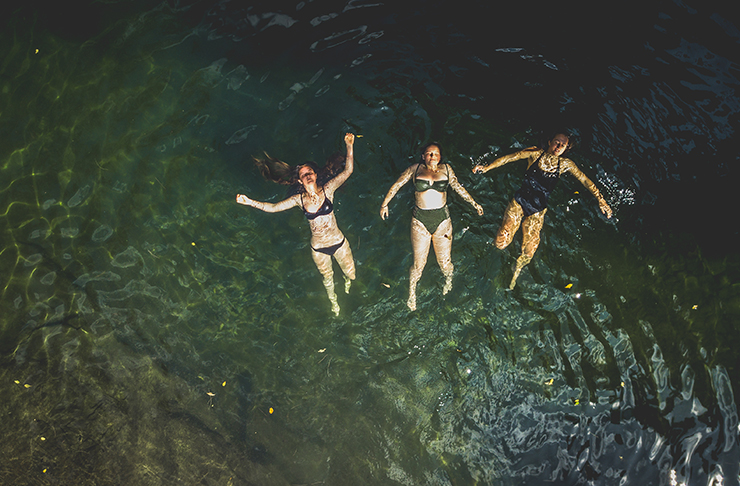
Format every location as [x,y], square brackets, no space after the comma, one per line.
[430,144]
[571,142]
[278,171]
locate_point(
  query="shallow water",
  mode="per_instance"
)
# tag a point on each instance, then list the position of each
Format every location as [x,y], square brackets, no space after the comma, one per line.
[155,332]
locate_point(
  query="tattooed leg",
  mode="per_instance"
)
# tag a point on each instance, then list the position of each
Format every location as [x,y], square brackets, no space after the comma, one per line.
[509,226]
[442,241]
[420,241]
[347,264]
[531,228]
[323,263]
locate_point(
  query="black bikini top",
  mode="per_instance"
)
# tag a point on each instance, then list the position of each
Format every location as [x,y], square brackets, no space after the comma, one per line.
[326,208]
[422,185]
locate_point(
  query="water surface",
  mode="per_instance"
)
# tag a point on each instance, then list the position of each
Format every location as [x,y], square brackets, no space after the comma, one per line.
[155,332]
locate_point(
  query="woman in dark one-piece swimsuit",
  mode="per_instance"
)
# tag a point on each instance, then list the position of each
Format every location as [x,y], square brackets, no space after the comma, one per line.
[528,208]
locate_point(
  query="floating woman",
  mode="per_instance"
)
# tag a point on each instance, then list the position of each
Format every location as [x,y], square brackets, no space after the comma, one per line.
[528,208]
[431,223]
[314,193]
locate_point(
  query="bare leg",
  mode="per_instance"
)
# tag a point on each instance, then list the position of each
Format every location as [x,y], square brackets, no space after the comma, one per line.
[343,256]
[323,263]
[531,228]
[421,239]
[442,242]
[509,226]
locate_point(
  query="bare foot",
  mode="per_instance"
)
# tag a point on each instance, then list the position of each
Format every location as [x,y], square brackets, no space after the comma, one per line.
[411,303]
[448,286]
[521,262]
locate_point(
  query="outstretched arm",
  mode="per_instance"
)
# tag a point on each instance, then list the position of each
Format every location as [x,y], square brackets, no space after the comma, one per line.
[349,165]
[522,154]
[571,167]
[405,177]
[269,207]
[458,188]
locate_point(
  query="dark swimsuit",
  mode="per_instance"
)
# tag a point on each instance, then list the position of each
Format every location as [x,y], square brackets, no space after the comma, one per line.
[431,218]
[326,208]
[330,250]
[536,188]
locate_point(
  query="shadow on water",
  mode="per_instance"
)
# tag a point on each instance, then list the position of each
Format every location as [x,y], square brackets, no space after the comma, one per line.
[154,332]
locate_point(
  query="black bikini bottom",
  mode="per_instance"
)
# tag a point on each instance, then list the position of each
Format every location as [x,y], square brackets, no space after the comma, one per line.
[330,250]
[431,218]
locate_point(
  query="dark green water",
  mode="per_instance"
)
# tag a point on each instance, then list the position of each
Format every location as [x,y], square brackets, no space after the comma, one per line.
[155,332]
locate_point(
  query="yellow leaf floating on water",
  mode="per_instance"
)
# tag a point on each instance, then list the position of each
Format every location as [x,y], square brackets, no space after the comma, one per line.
[569,286]
[695,307]
[27,385]
[210,394]
[43,438]
[577,401]
[386,285]
[223,384]
[550,381]
[17,382]
[193,243]
[322,350]
[44,471]
[271,411]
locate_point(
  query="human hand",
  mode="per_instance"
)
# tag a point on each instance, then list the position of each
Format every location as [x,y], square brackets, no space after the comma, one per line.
[605,208]
[478,169]
[349,138]
[383,212]
[242,199]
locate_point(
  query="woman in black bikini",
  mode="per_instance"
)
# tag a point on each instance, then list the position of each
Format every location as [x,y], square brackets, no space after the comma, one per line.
[316,201]
[431,224]
[528,208]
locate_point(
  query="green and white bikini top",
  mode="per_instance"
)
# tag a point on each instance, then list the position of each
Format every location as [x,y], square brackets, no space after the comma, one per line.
[422,185]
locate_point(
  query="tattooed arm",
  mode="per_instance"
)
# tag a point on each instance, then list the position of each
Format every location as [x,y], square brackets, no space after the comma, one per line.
[458,188]
[571,167]
[405,177]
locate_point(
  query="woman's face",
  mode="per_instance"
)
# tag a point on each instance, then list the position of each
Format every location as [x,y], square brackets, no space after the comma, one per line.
[432,155]
[306,175]
[558,145]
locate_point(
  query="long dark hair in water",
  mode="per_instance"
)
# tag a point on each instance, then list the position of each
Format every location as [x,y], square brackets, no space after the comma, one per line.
[278,171]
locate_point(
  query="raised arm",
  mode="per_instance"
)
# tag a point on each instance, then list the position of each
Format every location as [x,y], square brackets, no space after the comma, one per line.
[405,177]
[571,167]
[349,165]
[458,188]
[522,154]
[294,200]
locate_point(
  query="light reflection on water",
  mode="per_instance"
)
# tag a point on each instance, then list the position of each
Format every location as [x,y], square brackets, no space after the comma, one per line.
[154,332]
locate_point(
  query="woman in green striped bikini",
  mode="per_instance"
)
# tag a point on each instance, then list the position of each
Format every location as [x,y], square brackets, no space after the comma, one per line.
[431,224]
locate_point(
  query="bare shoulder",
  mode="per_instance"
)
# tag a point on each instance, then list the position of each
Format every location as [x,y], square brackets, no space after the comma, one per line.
[529,152]
[411,169]
[296,198]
